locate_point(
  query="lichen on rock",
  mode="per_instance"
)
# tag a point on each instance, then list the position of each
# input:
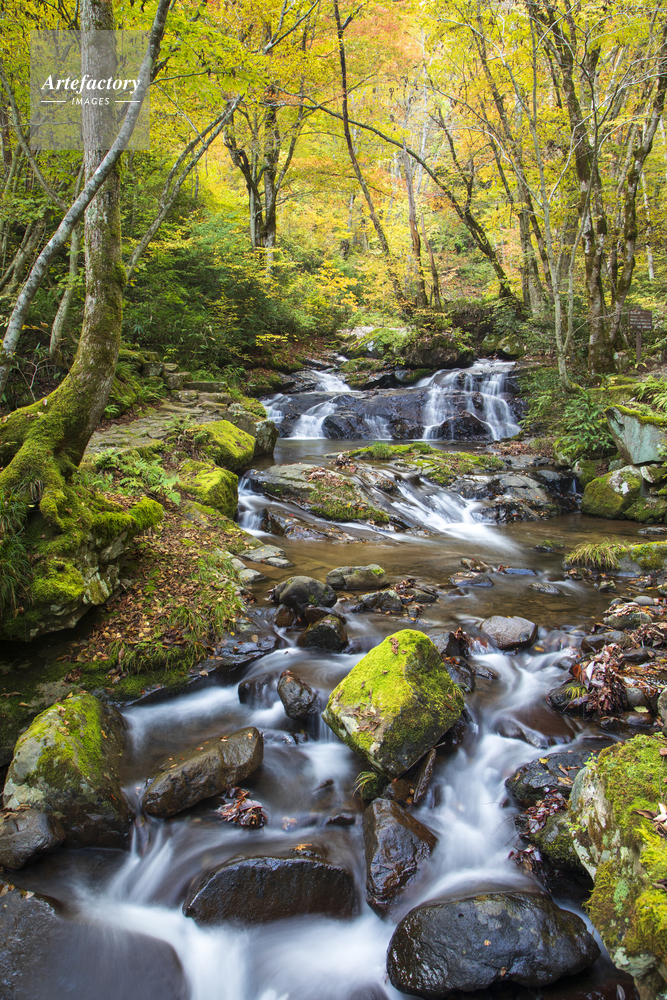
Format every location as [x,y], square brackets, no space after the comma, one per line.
[612,494]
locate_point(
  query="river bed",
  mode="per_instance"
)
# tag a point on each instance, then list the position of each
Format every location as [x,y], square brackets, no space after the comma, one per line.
[306,781]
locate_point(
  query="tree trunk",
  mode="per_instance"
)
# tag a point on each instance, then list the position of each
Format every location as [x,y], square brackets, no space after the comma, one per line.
[421,300]
[42,444]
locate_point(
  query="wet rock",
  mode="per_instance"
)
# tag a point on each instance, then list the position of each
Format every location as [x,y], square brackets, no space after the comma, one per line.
[423,777]
[257,691]
[470,580]
[509,633]
[627,621]
[423,596]
[327,633]
[513,730]
[202,772]
[468,944]
[395,703]
[544,588]
[611,495]
[383,600]
[67,764]
[568,698]
[476,565]
[594,643]
[261,889]
[462,673]
[357,577]
[269,554]
[25,834]
[517,571]
[623,852]
[396,846]
[313,615]
[399,790]
[554,842]
[299,700]
[284,617]
[644,601]
[300,592]
[554,773]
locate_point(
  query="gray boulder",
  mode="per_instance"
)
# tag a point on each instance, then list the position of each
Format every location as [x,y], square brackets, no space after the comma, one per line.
[299,700]
[357,577]
[261,889]
[327,633]
[67,764]
[396,845]
[205,771]
[468,944]
[554,773]
[509,633]
[25,834]
[639,438]
[300,592]
[382,600]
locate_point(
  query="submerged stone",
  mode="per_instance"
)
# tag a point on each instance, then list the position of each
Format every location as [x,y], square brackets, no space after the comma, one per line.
[395,703]
[468,944]
[192,777]
[261,889]
[67,764]
[326,633]
[299,700]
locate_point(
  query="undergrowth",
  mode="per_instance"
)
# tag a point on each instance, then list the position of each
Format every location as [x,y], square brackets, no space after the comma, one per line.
[600,555]
[15,566]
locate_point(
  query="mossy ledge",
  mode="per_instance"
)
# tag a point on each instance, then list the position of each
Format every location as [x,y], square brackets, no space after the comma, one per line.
[625,854]
[441,467]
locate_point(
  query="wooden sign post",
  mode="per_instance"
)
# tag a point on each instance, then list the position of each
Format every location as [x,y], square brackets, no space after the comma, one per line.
[640,321]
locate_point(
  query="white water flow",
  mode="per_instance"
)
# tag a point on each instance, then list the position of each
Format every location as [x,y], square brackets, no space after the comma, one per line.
[477,390]
[301,785]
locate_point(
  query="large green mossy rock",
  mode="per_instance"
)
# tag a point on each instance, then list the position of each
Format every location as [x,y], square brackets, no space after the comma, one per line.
[611,495]
[640,436]
[213,486]
[228,446]
[626,855]
[67,763]
[396,703]
[647,510]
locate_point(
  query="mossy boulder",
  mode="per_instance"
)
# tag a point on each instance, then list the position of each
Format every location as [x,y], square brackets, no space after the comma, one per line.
[67,763]
[647,510]
[640,435]
[227,445]
[378,342]
[396,703]
[624,852]
[610,495]
[510,347]
[554,841]
[357,577]
[325,493]
[213,486]
[490,343]
[585,469]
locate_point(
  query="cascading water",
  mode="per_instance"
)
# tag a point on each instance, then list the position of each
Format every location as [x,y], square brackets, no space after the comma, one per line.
[477,391]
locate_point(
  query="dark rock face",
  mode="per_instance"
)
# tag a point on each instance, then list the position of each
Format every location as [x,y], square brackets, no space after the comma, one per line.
[468,944]
[284,616]
[258,890]
[43,957]
[509,633]
[327,633]
[554,773]
[594,643]
[381,600]
[25,834]
[299,700]
[396,845]
[257,691]
[203,772]
[300,592]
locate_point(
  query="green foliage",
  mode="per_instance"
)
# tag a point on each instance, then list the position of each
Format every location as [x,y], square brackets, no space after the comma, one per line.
[599,555]
[654,391]
[577,418]
[381,450]
[134,474]
[15,568]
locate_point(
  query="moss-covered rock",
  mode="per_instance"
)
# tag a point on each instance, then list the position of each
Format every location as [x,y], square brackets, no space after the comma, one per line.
[554,841]
[213,486]
[510,347]
[441,467]
[326,493]
[585,470]
[395,703]
[626,855]
[67,763]
[227,445]
[647,510]
[640,435]
[610,495]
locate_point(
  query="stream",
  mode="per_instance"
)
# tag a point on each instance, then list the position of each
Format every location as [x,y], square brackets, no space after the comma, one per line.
[120,906]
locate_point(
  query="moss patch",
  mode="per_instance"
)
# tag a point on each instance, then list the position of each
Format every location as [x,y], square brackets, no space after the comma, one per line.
[215,487]
[441,467]
[227,445]
[612,494]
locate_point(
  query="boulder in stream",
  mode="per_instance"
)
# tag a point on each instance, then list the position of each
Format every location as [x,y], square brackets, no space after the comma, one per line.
[257,890]
[496,937]
[357,577]
[326,633]
[186,779]
[379,600]
[26,834]
[67,764]
[396,846]
[555,773]
[299,700]
[300,592]
[614,817]
[509,633]
[395,703]
[611,495]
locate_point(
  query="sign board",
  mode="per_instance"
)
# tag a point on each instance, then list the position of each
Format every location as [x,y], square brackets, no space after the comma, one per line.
[640,321]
